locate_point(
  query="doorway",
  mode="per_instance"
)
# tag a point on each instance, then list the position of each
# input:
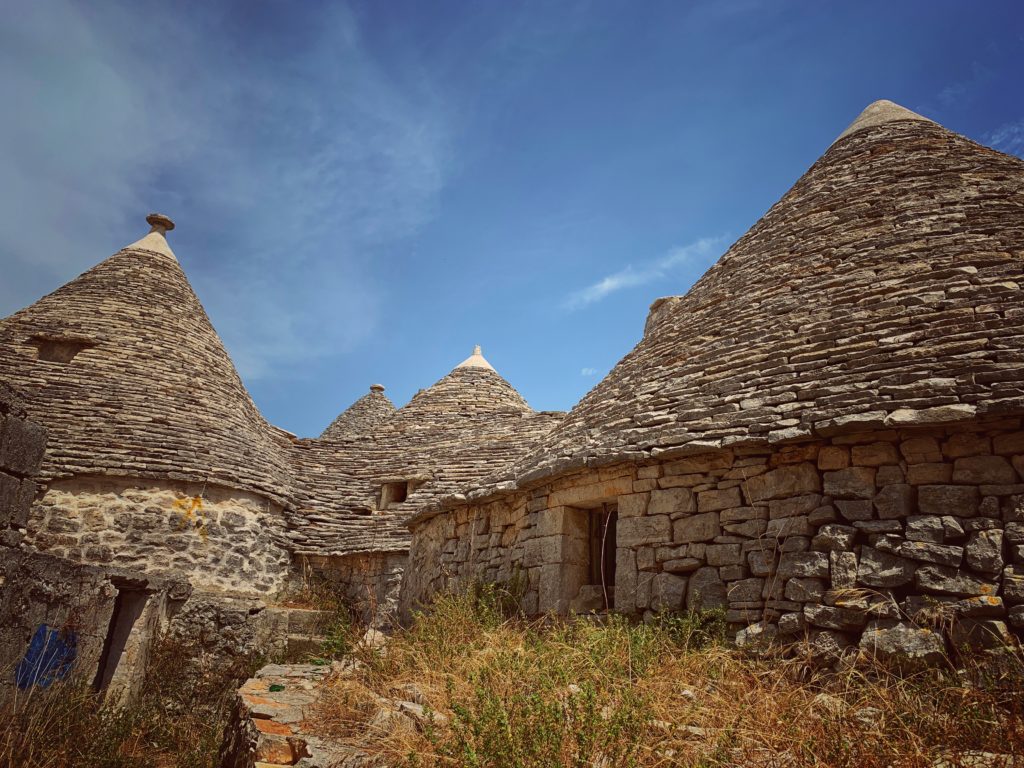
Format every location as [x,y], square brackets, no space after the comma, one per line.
[119,645]
[603,523]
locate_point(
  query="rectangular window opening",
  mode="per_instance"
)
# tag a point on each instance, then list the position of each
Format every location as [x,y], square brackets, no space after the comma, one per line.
[393,493]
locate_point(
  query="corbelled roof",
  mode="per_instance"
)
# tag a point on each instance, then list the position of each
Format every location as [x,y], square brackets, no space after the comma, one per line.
[124,369]
[468,425]
[882,289]
[361,417]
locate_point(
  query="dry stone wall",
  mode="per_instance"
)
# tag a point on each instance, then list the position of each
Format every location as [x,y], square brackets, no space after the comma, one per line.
[369,583]
[228,544]
[850,538]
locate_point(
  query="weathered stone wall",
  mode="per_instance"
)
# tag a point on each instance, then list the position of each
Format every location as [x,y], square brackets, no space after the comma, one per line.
[22,443]
[835,535]
[230,544]
[369,582]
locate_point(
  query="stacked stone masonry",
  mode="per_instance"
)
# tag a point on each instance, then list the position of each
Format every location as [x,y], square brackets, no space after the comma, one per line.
[865,531]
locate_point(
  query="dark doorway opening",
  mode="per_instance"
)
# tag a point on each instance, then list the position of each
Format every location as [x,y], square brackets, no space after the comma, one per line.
[603,522]
[128,607]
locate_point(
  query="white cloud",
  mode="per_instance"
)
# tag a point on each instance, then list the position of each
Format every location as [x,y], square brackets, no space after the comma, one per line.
[588,371]
[698,251]
[284,168]
[1008,138]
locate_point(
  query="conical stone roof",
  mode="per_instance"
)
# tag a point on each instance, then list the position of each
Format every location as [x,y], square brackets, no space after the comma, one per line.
[361,417]
[882,289]
[124,369]
[465,427]
[473,388]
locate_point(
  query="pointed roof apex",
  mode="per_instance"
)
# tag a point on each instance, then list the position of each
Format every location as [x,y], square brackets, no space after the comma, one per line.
[878,113]
[156,240]
[376,387]
[476,360]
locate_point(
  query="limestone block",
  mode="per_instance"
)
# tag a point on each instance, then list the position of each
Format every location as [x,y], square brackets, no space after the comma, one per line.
[833,457]
[715,500]
[834,537]
[743,514]
[890,474]
[881,569]
[894,501]
[988,470]
[733,572]
[796,505]
[984,551]
[925,528]
[952,529]
[966,444]
[903,644]
[633,504]
[805,590]
[668,592]
[749,528]
[705,590]
[789,526]
[791,623]
[723,554]
[1014,533]
[682,565]
[980,634]
[851,483]
[855,510]
[791,480]
[823,514]
[875,454]
[638,531]
[762,563]
[561,521]
[21,445]
[645,559]
[670,501]
[921,450]
[590,492]
[946,580]
[804,565]
[702,527]
[956,500]
[795,543]
[699,464]
[943,554]
[843,569]
[929,474]
[832,617]
[745,591]
[1016,616]
[1009,444]
[1013,584]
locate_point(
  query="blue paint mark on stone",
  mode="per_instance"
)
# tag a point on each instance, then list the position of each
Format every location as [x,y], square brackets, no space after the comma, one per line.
[49,658]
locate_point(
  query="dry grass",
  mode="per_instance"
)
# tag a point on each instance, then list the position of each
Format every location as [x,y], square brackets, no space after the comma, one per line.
[177,722]
[503,692]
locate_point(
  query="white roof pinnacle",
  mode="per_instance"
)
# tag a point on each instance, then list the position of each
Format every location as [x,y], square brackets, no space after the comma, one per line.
[156,240]
[476,360]
[878,113]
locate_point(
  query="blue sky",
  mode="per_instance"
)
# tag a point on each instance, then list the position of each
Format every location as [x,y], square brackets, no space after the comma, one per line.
[364,191]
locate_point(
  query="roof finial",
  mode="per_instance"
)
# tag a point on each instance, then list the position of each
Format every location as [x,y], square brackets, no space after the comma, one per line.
[376,387]
[160,223]
[155,241]
[476,360]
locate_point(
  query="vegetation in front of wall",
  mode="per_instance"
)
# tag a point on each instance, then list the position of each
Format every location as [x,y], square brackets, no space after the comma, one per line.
[178,721]
[469,685]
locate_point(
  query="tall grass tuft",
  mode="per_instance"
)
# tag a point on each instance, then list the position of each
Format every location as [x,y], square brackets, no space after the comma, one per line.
[497,690]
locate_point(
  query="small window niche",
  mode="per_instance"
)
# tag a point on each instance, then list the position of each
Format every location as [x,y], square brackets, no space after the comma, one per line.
[393,492]
[59,349]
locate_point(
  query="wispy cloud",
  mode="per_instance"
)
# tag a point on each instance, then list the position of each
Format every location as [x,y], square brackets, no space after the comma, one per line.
[699,251]
[588,371]
[279,162]
[1008,138]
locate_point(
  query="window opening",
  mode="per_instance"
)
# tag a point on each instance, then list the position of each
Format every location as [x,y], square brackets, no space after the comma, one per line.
[128,607]
[603,524]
